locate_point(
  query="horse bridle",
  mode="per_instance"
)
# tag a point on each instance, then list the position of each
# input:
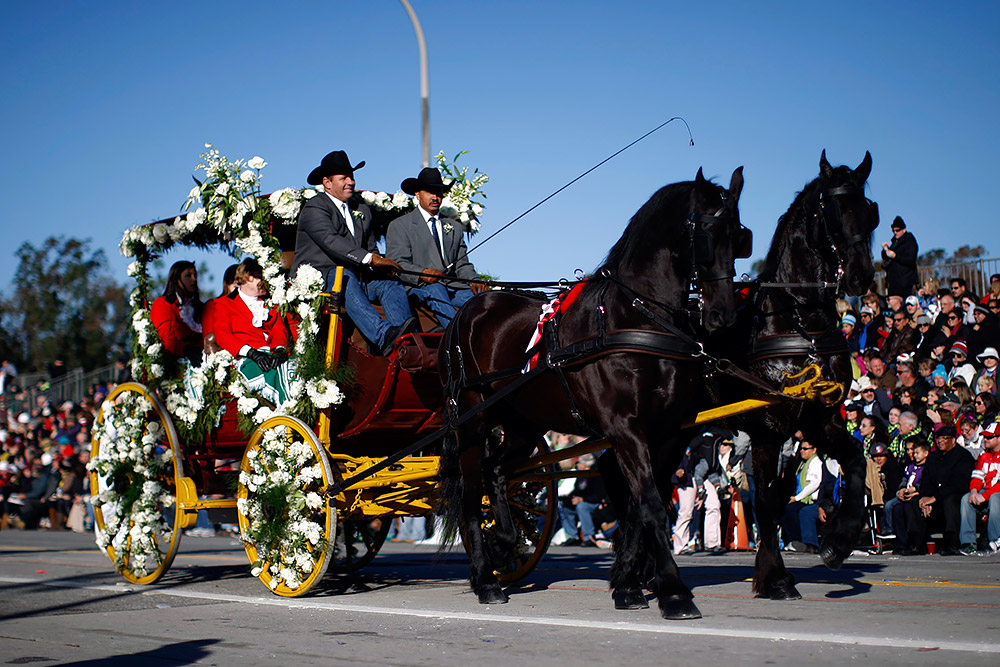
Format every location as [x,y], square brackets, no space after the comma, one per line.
[849,242]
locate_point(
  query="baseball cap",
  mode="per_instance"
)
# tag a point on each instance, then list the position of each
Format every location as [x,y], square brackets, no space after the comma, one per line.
[912,301]
[879,449]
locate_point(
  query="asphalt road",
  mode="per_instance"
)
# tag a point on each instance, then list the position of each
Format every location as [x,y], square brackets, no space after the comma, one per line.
[62,603]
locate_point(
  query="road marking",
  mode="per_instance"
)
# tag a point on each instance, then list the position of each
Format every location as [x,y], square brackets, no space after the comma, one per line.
[688,628]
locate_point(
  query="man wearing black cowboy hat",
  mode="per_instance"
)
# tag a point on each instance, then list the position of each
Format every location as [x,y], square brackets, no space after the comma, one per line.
[424,241]
[335,230]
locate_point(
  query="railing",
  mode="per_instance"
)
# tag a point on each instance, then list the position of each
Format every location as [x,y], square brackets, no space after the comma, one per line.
[70,387]
[976,272]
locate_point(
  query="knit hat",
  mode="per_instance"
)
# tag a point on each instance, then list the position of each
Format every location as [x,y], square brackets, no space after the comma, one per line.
[980,308]
[849,319]
[940,372]
[923,319]
[960,346]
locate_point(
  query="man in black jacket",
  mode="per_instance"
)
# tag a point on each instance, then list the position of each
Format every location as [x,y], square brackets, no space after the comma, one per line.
[899,259]
[945,481]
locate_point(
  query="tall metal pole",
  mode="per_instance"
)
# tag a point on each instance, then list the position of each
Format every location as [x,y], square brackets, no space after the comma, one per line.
[424,86]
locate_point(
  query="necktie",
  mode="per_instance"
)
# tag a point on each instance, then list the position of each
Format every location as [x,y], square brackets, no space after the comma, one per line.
[437,237]
[348,219]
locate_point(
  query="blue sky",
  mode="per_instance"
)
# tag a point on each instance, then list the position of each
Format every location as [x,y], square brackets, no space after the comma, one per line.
[107,105]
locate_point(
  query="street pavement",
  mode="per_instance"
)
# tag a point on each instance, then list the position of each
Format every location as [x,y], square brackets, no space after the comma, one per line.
[62,603]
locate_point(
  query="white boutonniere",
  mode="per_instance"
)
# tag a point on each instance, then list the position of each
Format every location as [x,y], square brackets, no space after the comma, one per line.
[447,227]
[358,216]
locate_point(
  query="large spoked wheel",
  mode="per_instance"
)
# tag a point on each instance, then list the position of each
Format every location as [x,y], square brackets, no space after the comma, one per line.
[534,510]
[287,524]
[358,542]
[135,466]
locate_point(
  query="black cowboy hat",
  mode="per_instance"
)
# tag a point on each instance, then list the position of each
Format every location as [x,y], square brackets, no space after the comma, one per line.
[428,180]
[336,162]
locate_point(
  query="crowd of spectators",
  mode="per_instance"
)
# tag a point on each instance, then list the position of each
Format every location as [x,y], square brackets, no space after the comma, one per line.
[44,451]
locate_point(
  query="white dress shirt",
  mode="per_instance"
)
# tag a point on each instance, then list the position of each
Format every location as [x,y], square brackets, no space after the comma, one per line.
[345,211]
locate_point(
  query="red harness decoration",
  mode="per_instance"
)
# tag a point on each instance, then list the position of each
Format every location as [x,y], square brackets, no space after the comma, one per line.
[557,306]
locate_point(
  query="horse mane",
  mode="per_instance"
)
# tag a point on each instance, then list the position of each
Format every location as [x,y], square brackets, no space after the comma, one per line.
[796,214]
[657,224]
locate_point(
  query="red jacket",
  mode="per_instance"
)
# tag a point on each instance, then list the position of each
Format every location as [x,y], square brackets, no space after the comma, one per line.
[986,476]
[174,334]
[208,315]
[232,324]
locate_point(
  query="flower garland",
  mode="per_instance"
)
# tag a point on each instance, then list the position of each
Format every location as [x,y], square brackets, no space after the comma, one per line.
[134,457]
[282,506]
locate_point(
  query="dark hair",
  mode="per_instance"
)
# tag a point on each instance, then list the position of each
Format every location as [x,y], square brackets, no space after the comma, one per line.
[229,277]
[174,291]
[991,404]
[960,281]
[920,443]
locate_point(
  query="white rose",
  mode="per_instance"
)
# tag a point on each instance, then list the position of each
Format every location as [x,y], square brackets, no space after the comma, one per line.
[256,162]
[160,233]
[222,189]
[368,196]
[248,176]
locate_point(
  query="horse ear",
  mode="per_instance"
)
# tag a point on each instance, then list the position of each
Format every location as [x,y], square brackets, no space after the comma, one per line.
[860,174]
[699,178]
[736,183]
[825,170]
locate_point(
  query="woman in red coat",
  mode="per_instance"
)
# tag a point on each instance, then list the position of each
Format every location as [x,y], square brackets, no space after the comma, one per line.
[208,317]
[177,314]
[246,328]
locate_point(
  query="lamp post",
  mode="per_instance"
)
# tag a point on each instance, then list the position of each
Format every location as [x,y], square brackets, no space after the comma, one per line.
[424,87]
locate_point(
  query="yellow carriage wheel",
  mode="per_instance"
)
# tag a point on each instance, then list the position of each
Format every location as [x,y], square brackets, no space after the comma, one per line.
[141,556]
[286,523]
[533,507]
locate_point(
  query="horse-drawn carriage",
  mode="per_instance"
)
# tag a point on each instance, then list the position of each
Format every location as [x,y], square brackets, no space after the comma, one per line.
[626,365]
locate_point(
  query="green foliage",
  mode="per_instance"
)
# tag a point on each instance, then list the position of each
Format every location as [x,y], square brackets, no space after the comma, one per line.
[65,306]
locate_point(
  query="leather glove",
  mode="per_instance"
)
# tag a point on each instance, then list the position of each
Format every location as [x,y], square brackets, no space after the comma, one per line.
[280,356]
[262,359]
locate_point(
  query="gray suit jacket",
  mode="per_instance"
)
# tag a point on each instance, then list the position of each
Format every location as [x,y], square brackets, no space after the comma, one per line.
[323,239]
[409,242]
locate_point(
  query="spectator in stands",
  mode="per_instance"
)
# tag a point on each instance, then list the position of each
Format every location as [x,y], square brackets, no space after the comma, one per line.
[257,336]
[926,337]
[871,431]
[960,290]
[893,425]
[177,314]
[910,399]
[993,292]
[899,259]
[927,295]
[983,497]
[881,375]
[896,513]
[884,475]
[959,361]
[874,401]
[953,328]
[909,378]
[798,525]
[987,408]
[867,329]
[989,360]
[943,322]
[852,418]
[577,510]
[945,481]
[848,325]
[909,427]
[984,332]
[902,339]
[970,435]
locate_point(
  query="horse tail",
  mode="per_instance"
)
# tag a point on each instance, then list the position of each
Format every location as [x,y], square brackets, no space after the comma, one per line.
[451,485]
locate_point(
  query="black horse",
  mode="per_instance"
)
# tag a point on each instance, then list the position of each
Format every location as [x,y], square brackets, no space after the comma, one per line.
[635,392]
[822,246]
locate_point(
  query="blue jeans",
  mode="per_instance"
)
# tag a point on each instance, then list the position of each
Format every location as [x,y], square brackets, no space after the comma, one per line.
[582,512]
[359,296]
[799,523]
[887,527]
[991,507]
[442,300]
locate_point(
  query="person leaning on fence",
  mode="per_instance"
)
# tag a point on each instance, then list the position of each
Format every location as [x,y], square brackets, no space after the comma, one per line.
[336,230]
[177,314]
[256,335]
[428,243]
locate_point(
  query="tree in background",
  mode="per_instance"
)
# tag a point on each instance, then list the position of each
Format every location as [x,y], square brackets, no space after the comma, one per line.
[65,306]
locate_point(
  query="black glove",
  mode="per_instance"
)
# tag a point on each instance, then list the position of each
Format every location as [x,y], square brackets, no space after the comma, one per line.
[280,356]
[262,359]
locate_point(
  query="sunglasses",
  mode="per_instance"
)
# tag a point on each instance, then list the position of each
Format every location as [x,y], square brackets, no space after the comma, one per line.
[806,449]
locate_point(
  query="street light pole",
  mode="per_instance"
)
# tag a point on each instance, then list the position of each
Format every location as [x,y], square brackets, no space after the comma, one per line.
[424,86]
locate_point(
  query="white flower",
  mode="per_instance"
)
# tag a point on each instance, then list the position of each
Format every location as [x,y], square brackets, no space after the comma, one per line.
[222,189]
[156,370]
[160,233]
[195,194]
[368,197]
[248,176]
[247,404]
[256,162]
[400,199]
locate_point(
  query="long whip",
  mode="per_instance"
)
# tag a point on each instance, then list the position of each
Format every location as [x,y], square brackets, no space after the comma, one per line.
[605,160]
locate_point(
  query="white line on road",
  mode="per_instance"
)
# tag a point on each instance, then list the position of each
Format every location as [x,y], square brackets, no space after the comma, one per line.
[689,628]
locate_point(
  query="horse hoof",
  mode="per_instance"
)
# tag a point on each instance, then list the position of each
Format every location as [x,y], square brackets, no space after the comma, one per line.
[491,594]
[831,558]
[679,610]
[784,592]
[630,599]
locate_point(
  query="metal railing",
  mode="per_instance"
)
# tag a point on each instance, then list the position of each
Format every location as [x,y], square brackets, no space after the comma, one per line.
[73,386]
[976,272]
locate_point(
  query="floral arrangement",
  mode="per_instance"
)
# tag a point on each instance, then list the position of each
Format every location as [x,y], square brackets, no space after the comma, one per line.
[133,457]
[284,508]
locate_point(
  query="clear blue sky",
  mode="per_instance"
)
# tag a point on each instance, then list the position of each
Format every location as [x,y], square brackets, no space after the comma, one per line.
[106,106]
